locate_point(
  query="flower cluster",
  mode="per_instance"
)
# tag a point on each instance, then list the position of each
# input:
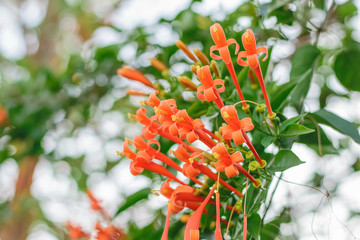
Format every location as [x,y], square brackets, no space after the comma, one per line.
[200,166]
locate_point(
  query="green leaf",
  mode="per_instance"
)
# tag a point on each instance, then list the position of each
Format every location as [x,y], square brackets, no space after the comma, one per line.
[270,230]
[299,93]
[266,141]
[346,67]
[303,60]
[346,10]
[279,94]
[312,140]
[243,75]
[319,4]
[284,159]
[254,223]
[289,121]
[338,123]
[295,129]
[133,199]
[197,109]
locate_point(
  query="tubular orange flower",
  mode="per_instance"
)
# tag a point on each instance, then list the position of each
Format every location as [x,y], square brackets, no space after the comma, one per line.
[250,53]
[222,45]
[226,161]
[135,75]
[245,227]
[236,129]
[142,160]
[191,129]
[230,163]
[209,91]
[218,235]
[192,227]
[181,197]
[141,145]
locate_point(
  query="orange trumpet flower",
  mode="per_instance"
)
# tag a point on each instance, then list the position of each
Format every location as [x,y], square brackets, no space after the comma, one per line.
[226,161]
[222,45]
[209,91]
[236,129]
[142,160]
[192,226]
[250,53]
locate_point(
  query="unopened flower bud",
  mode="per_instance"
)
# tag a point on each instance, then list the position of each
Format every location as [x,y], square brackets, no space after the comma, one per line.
[200,55]
[135,75]
[133,92]
[246,108]
[215,68]
[193,69]
[181,45]
[237,207]
[253,166]
[260,108]
[272,117]
[249,155]
[156,63]
[187,83]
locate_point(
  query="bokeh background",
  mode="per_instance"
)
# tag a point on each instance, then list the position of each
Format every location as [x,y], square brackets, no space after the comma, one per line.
[63,111]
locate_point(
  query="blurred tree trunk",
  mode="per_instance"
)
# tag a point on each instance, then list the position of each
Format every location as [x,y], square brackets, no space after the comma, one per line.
[21,207]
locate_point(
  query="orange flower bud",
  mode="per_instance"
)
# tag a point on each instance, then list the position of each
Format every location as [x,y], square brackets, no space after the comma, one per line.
[200,55]
[186,82]
[156,63]
[181,45]
[194,69]
[215,69]
[135,75]
[134,92]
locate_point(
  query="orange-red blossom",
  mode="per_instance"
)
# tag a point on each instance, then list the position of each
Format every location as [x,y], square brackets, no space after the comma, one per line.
[222,45]
[210,89]
[236,129]
[141,160]
[250,53]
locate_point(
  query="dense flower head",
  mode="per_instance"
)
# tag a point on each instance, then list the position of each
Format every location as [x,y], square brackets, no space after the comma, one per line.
[183,126]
